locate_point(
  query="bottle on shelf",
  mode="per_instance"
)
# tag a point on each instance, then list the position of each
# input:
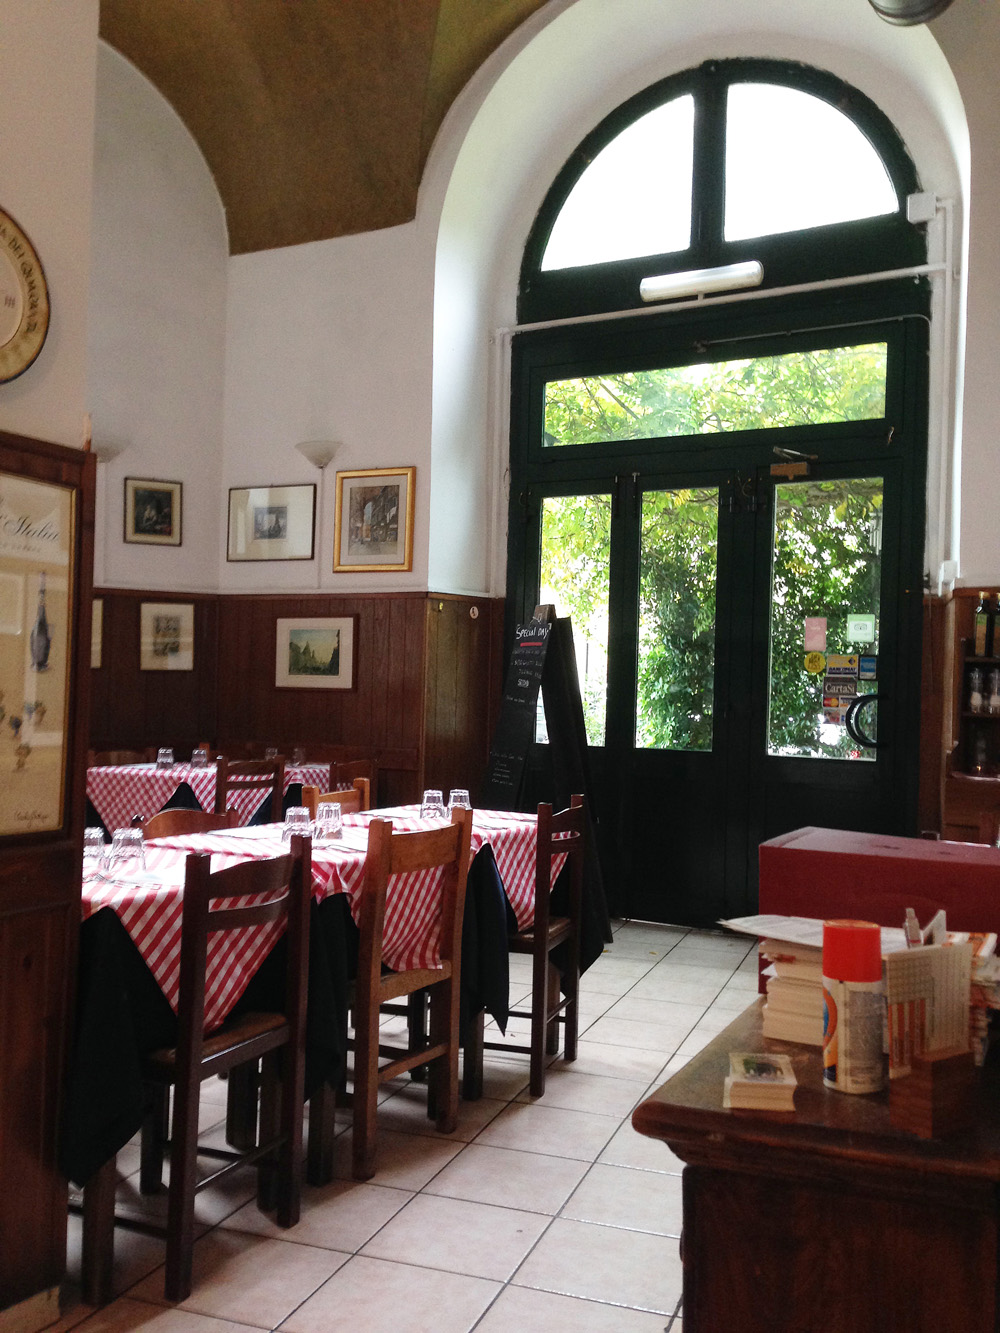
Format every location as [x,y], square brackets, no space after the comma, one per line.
[993,692]
[982,628]
[979,755]
[975,690]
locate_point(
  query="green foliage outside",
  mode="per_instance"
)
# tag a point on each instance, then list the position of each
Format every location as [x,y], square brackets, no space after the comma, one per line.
[827,538]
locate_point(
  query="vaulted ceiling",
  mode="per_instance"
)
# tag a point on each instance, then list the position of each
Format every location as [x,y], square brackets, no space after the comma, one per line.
[315,116]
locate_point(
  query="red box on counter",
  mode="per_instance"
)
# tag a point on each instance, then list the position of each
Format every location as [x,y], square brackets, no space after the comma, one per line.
[822,872]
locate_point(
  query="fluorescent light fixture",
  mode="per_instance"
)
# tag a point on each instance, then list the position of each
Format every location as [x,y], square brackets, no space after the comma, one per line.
[698,281]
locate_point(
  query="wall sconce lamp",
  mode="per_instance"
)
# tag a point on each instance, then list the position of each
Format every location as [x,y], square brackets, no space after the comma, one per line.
[319,452]
[699,281]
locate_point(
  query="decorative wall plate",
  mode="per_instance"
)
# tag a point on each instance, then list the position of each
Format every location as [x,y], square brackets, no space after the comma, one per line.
[24,300]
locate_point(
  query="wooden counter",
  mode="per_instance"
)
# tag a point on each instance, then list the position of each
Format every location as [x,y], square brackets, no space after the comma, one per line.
[828,1219]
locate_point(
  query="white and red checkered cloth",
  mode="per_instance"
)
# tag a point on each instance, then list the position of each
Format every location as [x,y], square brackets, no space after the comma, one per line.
[120,792]
[150,903]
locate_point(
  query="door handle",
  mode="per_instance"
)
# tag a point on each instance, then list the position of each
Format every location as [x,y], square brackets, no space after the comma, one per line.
[853,726]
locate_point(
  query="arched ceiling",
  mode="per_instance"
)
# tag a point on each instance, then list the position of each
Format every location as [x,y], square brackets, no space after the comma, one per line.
[315,116]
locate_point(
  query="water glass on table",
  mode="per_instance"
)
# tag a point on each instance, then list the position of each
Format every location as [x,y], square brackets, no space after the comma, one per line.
[432,805]
[298,756]
[93,850]
[164,757]
[329,823]
[127,851]
[199,758]
[458,799]
[296,821]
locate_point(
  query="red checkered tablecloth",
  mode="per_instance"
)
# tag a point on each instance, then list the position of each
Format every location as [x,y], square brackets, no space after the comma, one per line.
[150,904]
[122,791]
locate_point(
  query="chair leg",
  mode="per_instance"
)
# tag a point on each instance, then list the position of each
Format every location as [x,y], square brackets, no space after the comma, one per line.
[319,1152]
[539,1024]
[416,1030]
[551,1006]
[289,1163]
[242,1087]
[180,1201]
[572,1010]
[472,1059]
[270,1115]
[155,1135]
[444,1028]
[365,1091]
[98,1250]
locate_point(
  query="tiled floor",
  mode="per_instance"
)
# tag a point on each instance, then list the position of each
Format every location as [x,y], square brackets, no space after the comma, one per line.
[534,1215]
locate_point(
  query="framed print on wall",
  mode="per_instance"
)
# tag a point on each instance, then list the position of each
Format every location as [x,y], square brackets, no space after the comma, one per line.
[166,636]
[271,522]
[315,653]
[152,511]
[374,519]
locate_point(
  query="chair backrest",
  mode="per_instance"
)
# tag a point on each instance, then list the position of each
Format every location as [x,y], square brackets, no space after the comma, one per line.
[559,833]
[351,799]
[179,823]
[250,775]
[392,853]
[98,758]
[287,882]
[347,771]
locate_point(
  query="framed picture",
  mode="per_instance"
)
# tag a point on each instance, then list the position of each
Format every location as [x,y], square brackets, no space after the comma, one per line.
[315,653]
[374,519]
[152,512]
[166,636]
[271,523]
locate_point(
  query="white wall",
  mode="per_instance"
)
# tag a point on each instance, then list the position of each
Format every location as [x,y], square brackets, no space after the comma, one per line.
[330,341]
[46,151]
[156,340]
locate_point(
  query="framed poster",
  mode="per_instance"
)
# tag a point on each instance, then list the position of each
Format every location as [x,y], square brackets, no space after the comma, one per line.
[166,636]
[152,511]
[374,519]
[315,653]
[37,541]
[271,523]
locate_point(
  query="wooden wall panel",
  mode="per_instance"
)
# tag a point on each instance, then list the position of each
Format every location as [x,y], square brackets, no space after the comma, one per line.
[130,708]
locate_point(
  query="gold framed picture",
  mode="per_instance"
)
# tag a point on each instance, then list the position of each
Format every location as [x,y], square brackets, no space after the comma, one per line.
[374,520]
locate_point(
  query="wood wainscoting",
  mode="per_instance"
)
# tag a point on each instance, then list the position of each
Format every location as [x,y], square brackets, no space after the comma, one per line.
[427,682]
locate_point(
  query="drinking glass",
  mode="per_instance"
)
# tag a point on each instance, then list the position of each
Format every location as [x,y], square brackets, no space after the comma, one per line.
[164,757]
[199,758]
[458,799]
[127,850]
[432,806]
[296,821]
[93,849]
[329,822]
[298,755]
[271,752]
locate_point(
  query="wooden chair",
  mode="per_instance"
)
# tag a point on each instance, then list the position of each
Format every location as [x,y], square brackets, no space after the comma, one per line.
[249,775]
[276,1038]
[351,799]
[396,854]
[557,834]
[99,758]
[179,823]
[346,772]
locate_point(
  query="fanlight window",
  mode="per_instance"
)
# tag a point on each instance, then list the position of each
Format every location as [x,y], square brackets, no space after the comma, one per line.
[635,197]
[794,161]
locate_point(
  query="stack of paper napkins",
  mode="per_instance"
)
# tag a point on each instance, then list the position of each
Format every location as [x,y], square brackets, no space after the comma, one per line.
[763,1082]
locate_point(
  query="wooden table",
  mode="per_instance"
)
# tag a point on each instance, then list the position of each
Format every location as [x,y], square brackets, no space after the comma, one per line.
[827,1219]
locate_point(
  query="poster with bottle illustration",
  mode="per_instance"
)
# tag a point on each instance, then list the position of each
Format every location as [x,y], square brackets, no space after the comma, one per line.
[36,577]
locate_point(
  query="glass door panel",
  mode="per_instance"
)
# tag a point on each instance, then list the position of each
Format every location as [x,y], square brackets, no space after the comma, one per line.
[826,567]
[678,566]
[575,569]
